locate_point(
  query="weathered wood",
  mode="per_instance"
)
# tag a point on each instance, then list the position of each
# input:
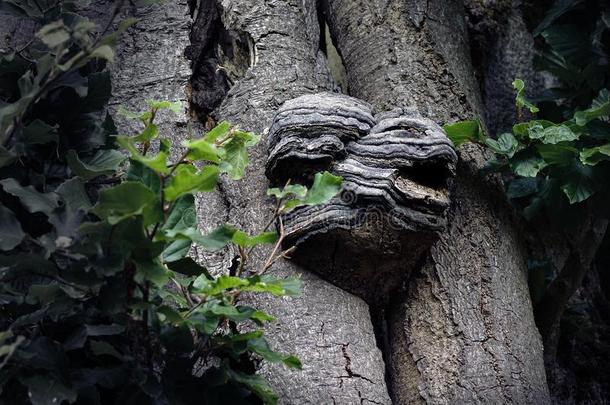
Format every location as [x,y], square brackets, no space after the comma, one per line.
[464,331]
[328,328]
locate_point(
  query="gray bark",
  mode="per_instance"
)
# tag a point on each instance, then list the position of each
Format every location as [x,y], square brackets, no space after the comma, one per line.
[329,329]
[463,329]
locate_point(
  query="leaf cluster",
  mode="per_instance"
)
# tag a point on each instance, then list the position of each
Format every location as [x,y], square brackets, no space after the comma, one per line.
[99,300]
[553,165]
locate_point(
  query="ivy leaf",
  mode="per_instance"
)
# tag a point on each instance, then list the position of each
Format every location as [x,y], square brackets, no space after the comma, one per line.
[182,216]
[506,144]
[139,172]
[11,233]
[520,100]
[557,133]
[580,185]
[599,108]
[235,159]
[54,34]
[256,384]
[39,132]
[464,131]
[201,149]
[187,179]
[531,129]
[30,198]
[277,286]
[527,164]
[103,52]
[175,106]
[104,162]
[126,200]
[152,271]
[215,240]
[242,239]
[219,131]
[150,132]
[261,347]
[592,156]
[188,267]
[557,154]
[325,186]
[296,190]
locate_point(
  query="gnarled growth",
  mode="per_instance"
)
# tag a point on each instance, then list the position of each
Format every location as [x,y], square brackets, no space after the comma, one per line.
[395,166]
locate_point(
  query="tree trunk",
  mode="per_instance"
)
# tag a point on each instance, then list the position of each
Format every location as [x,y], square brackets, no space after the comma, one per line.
[462,329]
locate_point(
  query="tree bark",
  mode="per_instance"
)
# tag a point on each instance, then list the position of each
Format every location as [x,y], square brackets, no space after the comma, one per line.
[462,329]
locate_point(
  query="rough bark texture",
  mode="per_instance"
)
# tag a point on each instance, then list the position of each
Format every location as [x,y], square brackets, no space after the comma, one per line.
[329,329]
[464,332]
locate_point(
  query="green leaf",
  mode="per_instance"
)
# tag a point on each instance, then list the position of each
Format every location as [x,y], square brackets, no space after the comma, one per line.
[126,200]
[150,132]
[235,159]
[182,216]
[557,154]
[256,384]
[11,233]
[259,317]
[580,185]
[219,131]
[215,240]
[39,132]
[296,190]
[187,179]
[104,162]
[103,52]
[278,287]
[54,34]
[30,198]
[261,347]
[557,133]
[140,173]
[152,271]
[592,156]
[201,149]
[157,163]
[242,239]
[188,267]
[464,131]
[599,108]
[506,144]
[219,285]
[520,100]
[325,186]
[527,164]
[531,129]
[175,107]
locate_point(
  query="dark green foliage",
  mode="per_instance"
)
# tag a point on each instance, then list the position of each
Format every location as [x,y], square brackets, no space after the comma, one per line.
[99,302]
[560,161]
[557,165]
